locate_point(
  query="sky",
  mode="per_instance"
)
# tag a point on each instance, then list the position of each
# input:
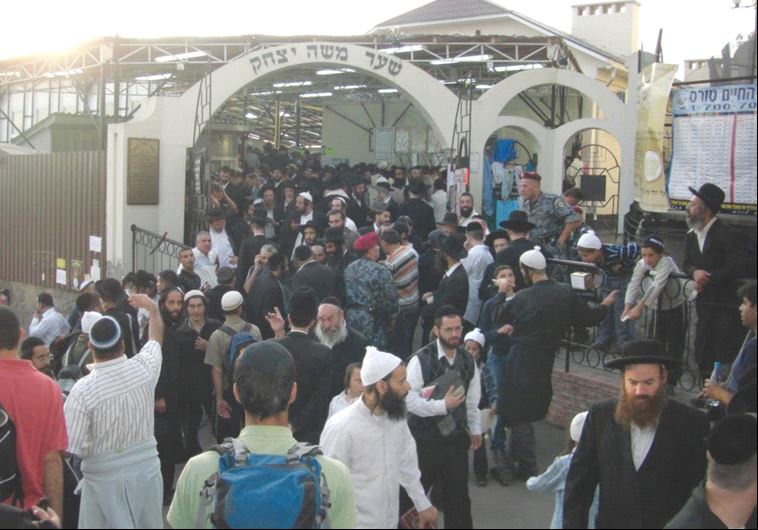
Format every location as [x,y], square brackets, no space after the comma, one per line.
[692,29]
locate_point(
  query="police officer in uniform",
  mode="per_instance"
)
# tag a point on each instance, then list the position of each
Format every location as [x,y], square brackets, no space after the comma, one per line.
[553,218]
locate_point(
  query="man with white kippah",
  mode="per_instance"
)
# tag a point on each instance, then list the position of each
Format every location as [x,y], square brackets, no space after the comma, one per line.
[110,421]
[305,213]
[617,262]
[540,316]
[371,437]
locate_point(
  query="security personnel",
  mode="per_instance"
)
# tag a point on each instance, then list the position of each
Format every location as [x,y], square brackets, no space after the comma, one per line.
[553,218]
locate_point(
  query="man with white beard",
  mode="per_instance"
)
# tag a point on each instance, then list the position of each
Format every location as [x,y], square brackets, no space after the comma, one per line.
[348,346]
[371,437]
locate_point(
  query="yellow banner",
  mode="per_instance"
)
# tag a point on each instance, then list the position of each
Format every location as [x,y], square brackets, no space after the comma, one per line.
[650,171]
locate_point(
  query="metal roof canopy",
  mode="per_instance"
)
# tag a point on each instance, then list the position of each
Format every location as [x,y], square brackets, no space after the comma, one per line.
[111,72]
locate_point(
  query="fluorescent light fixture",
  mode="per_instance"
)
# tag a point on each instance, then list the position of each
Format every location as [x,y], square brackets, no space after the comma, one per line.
[312,133]
[448,82]
[388,91]
[335,72]
[267,93]
[156,77]
[253,136]
[467,80]
[350,87]
[64,73]
[251,116]
[283,114]
[292,84]
[466,59]
[179,57]
[516,67]
[317,95]
[483,87]
[405,49]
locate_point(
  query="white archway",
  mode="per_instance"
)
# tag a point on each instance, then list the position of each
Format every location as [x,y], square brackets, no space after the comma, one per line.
[172,121]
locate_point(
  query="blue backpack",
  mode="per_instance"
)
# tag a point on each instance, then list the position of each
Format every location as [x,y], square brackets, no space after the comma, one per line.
[240,340]
[265,491]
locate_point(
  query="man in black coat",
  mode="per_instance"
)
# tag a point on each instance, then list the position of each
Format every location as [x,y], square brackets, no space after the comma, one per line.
[313,363]
[645,452]
[715,256]
[420,212]
[252,246]
[518,227]
[540,316]
[357,206]
[348,345]
[453,289]
[312,274]
[339,258]
[266,295]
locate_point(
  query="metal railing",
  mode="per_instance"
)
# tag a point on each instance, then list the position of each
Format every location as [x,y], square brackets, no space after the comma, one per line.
[154,252]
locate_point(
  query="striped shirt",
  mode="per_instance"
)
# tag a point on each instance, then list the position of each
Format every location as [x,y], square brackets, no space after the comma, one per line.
[113,407]
[624,255]
[403,265]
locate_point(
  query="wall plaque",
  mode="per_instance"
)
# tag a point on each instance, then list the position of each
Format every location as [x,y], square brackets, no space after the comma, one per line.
[142,169]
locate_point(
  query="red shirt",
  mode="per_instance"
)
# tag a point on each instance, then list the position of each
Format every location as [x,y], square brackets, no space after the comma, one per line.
[34,403]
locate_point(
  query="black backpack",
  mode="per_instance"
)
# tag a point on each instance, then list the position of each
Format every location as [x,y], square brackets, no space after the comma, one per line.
[10,475]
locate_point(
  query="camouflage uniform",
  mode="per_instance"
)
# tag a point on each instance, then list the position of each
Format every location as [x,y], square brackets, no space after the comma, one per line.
[371,300]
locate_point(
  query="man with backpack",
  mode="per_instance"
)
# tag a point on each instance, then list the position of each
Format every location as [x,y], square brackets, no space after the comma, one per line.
[276,482]
[229,413]
[32,428]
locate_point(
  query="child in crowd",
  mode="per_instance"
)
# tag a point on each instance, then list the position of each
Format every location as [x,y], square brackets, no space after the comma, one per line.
[651,286]
[474,343]
[554,479]
[353,389]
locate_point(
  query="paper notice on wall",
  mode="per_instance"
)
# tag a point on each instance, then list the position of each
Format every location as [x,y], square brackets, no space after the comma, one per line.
[95,244]
[60,276]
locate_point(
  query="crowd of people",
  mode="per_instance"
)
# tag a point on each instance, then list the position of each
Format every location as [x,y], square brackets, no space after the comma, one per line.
[350,336]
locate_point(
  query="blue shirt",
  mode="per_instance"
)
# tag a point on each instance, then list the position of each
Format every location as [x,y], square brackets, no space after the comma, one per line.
[744,360]
[624,255]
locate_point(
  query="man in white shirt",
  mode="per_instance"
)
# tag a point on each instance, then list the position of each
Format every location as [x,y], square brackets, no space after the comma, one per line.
[220,242]
[476,263]
[110,416]
[206,260]
[47,323]
[371,437]
[444,414]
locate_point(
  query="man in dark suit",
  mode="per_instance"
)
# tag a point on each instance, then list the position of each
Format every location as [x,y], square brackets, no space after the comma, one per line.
[357,205]
[313,363]
[420,212]
[348,345]
[518,227]
[715,257]
[251,246]
[311,274]
[266,295]
[453,289]
[645,452]
[340,256]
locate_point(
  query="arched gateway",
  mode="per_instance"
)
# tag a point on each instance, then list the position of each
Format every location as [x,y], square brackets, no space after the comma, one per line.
[171,121]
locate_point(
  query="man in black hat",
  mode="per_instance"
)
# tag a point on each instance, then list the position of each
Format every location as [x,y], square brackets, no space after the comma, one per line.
[450,224]
[517,226]
[339,258]
[252,246]
[644,451]
[726,499]
[715,257]
[357,205]
[419,211]
[454,287]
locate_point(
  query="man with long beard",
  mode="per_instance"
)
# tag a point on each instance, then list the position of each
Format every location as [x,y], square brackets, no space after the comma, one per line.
[371,437]
[348,345]
[644,451]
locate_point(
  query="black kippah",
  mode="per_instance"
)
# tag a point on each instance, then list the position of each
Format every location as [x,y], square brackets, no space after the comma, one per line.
[105,333]
[332,300]
[733,440]
[304,304]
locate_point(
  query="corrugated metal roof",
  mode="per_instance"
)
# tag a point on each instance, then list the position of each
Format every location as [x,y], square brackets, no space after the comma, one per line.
[441,10]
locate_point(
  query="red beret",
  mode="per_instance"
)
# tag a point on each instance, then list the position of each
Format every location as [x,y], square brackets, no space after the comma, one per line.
[367,242]
[531,175]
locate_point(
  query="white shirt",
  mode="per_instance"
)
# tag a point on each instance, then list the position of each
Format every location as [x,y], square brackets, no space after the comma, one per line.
[464,221]
[439,203]
[380,454]
[205,266]
[350,225]
[426,408]
[702,234]
[339,402]
[222,246]
[479,258]
[642,441]
[48,328]
[113,408]
[452,269]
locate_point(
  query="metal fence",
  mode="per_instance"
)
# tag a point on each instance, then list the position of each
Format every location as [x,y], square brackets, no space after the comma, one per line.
[578,349]
[51,205]
[154,252]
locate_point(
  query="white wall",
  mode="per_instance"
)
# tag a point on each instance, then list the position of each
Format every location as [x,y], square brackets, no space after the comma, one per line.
[611,25]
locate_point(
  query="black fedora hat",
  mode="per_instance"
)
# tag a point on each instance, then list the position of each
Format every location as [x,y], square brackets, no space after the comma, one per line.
[334,235]
[417,187]
[453,246]
[260,216]
[518,221]
[497,234]
[711,195]
[450,219]
[310,224]
[642,352]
